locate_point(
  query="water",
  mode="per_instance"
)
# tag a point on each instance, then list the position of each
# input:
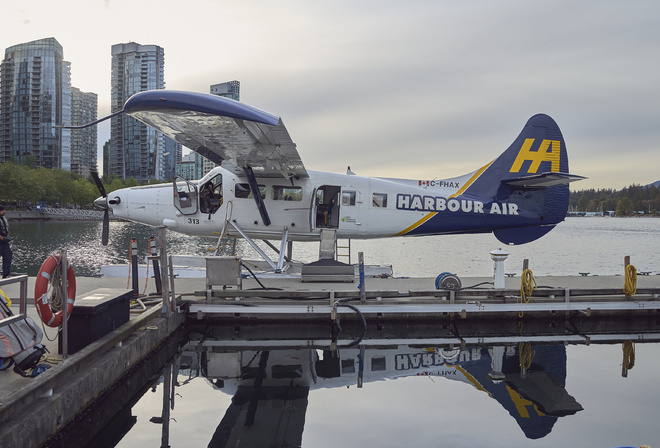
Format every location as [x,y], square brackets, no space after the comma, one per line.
[595,245]
[232,390]
[411,393]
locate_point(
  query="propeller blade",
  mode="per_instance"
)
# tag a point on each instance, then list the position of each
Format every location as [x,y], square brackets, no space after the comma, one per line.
[99,184]
[106,227]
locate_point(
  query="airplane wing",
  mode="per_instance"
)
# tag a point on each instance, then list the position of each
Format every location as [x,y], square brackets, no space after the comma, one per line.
[224,131]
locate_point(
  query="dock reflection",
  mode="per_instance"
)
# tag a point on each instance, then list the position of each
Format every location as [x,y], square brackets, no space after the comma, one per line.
[270,379]
[271,371]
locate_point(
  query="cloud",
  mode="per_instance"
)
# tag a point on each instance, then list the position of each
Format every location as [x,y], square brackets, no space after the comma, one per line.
[426,88]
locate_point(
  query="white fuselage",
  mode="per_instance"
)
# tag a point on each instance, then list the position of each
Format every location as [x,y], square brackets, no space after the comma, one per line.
[355,206]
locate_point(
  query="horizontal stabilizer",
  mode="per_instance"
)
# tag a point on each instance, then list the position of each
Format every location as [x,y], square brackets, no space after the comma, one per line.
[542,180]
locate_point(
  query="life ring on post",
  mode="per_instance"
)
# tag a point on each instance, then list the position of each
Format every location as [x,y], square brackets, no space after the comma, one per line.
[44,296]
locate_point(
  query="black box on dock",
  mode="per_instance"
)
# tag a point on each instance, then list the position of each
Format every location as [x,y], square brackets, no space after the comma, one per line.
[96,314]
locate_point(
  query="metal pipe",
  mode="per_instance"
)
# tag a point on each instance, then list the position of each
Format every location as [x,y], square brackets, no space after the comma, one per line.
[162,242]
[65,308]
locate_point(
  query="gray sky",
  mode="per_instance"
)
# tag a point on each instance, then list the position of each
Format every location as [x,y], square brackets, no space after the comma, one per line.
[418,89]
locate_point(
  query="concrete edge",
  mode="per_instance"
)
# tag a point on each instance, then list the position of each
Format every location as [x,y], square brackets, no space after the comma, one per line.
[34,413]
[76,365]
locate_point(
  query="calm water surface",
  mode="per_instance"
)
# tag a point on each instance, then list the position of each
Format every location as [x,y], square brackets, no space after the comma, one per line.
[399,394]
[595,245]
[425,392]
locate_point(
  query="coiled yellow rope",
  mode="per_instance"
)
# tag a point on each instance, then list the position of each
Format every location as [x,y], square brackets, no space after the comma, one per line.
[526,355]
[630,285]
[527,287]
[628,357]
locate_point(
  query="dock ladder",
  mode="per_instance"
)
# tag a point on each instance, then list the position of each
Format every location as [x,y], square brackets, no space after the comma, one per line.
[343,250]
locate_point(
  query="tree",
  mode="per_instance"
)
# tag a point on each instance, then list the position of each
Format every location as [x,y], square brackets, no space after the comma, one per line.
[624,207]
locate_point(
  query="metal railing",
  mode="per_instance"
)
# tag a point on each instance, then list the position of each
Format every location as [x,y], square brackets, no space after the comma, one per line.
[23,293]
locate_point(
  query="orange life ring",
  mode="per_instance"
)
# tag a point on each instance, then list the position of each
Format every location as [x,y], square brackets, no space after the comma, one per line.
[41,291]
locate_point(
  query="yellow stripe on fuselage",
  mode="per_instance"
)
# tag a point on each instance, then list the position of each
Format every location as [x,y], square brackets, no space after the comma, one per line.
[474,177]
[471,379]
[417,224]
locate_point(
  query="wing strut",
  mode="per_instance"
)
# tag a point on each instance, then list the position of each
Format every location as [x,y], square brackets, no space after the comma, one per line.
[252,180]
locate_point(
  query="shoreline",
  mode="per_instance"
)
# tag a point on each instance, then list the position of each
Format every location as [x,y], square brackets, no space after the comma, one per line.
[34,215]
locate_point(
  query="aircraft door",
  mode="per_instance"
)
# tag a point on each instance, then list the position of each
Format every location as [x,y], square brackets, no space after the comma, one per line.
[351,205]
[325,207]
[185,196]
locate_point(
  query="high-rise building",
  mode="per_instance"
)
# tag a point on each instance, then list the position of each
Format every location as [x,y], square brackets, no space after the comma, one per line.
[188,168]
[84,109]
[35,96]
[172,156]
[232,90]
[106,158]
[136,150]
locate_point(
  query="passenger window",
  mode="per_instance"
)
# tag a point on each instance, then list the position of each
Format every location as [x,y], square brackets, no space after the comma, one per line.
[281,193]
[377,364]
[347,366]
[242,191]
[348,198]
[379,200]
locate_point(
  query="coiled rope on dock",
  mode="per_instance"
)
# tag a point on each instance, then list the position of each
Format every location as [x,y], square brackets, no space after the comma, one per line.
[628,357]
[525,354]
[630,285]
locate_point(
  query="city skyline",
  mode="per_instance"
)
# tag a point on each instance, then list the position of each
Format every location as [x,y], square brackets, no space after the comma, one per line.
[443,84]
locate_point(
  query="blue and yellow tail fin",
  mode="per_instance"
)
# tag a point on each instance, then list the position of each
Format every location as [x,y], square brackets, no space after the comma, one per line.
[533,171]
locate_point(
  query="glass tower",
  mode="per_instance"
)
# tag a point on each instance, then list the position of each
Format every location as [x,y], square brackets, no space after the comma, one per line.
[84,109]
[136,150]
[231,90]
[35,95]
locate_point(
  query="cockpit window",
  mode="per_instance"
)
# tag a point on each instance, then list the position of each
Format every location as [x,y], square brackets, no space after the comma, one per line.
[210,195]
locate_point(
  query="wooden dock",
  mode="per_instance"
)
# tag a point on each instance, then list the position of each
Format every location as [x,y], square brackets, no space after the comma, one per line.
[287,300]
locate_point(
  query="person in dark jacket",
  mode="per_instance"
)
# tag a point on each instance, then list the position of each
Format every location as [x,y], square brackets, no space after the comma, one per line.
[5,249]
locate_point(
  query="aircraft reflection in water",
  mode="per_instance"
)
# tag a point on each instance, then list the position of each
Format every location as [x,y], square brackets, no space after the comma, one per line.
[270,388]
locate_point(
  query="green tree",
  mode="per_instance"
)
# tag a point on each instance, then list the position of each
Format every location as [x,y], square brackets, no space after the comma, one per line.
[624,207]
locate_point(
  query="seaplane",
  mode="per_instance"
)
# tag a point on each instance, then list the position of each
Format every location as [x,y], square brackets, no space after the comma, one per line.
[261,189]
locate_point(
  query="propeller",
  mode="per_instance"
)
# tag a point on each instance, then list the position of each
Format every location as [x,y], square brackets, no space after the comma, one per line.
[102,203]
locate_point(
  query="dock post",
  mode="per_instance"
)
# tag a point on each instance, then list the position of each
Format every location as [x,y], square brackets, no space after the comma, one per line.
[363,293]
[498,257]
[162,242]
[154,257]
[172,294]
[361,367]
[165,414]
[134,266]
[65,317]
[496,362]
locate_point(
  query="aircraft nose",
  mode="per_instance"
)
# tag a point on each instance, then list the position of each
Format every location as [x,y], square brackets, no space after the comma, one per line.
[101,202]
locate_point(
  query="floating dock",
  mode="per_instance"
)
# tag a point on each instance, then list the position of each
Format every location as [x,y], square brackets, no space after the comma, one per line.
[34,409]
